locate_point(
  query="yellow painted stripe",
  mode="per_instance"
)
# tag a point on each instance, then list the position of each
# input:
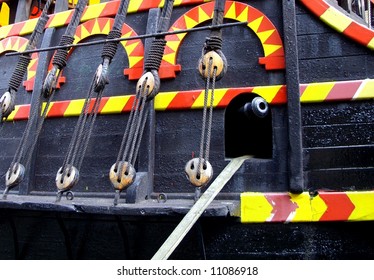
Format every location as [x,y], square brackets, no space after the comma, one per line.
[371,44]
[254,208]
[28,26]
[364,206]
[316,92]
[93,12]
[318,208]
[12,115]
[267,92]
[366,90]
[74,108]
[115,104]
[218,95]
[4,31]
[162,100]
[60,19]
[336,19]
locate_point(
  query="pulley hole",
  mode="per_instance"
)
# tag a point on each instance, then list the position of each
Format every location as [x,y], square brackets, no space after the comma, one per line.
[115,170]
[262,106]
[203,67]
[204,166]
[192,167]
[62,181]
[126,173]
[68,174]
[118,180]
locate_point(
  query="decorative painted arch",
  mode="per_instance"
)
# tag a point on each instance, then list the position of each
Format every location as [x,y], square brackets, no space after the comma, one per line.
[18,44]
[341,22]
[133,48]
[261,25]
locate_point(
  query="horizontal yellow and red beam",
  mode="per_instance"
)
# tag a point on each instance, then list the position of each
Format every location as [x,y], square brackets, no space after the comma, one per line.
[259,207]
[193,99]
[342,23]
[106,9]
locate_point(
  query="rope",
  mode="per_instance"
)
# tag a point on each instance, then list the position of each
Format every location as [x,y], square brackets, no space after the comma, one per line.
[212,44]
[154,58]
[25,148]
[85,123]
[135,126]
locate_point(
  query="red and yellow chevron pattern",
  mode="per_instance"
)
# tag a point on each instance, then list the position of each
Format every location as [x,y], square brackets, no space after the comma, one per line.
[257,21]
[163,101]
[134,48]
[325,206]
[19,44]
[193,99]
[340,22]
[107,9]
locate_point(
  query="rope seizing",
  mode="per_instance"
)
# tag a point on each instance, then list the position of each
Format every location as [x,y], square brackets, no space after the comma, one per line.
[68,174]
[122,173]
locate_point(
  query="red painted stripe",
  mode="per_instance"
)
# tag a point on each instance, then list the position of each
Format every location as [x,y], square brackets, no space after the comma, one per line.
[282,205]
[184,100]
[16,29]
[316,6]
[22,113]
[231,94]
[128,106]
[281,96]
[110,9]
[343,90]
[58,109]
[339,206]
[359,33]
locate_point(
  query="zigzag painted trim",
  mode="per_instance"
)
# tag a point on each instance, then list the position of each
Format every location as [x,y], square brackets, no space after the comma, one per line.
[193,99]
[325,206]
[106,9]
[341,22]
[257,21]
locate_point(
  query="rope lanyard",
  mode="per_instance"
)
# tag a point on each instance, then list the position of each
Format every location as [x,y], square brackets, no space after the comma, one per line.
[7,100]
[68,174]
[122,173]
[24,152]
[212,67]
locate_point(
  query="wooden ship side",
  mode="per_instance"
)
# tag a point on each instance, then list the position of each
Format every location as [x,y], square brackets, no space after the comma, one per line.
[306,193]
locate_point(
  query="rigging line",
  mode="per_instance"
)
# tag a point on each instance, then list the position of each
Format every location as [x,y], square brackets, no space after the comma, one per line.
[145,36]
[8,98]
[26,147]
[83,129]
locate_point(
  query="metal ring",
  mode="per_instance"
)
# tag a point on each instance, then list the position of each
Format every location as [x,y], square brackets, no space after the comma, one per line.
[162,197]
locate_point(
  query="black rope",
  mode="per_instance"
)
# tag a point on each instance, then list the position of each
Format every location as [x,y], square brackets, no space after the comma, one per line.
[154,58]
[83,129]
[60,58]
[213,43]
[110,48]
[19,72]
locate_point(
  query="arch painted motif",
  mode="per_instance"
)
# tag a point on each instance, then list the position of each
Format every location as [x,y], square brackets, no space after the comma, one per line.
[18,44]
[341,22]
[133,48]
[264,29]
